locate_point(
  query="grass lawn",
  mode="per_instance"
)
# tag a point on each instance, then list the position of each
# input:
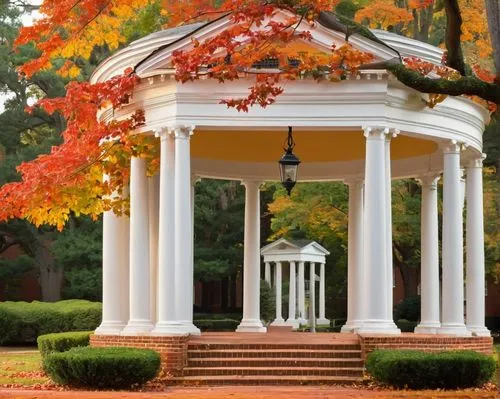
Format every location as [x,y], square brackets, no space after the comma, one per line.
[21,369]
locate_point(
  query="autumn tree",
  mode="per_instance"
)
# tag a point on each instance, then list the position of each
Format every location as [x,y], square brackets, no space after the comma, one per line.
[69,179]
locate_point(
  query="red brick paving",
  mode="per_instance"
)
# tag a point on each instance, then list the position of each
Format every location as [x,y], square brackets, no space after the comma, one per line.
[249,393]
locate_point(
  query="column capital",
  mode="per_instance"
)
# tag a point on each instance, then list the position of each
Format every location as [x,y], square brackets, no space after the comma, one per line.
[453,147]
[252,183]
[392,134]
[429,180]
[476,162]
[355,181]
[379,132]
[195,179]
[163,132]
[183,131]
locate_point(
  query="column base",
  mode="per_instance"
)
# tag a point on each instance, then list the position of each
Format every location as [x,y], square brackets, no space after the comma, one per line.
[167,328]
[479,331]
[110,328]
[251,325]
[323,322]
[279,323]
[427,328]
[138,327]
[457,329]
[351,326]
[302,321]
[189,327]
[294,323]
[378,327]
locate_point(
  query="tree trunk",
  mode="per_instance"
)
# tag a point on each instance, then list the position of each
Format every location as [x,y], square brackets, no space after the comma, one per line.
[493,16]
[51,277]
[410,279]
[409,274]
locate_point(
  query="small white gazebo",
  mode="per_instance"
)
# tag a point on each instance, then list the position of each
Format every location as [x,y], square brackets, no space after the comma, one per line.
[292,252]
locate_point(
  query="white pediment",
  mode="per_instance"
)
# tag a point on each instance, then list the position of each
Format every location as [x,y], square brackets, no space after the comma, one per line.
[322,39]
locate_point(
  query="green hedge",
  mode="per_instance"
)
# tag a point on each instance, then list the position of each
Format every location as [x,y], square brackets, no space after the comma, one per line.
[61,342]
[421,370]
[408,309]
[217,316]
[102,368]
[23,322]
[406,325]
[217,324]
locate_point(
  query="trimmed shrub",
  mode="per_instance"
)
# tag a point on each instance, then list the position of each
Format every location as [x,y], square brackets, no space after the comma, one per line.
[267,302]
[406,325]
[61,342]
[8,325]
[27,320]
[102,368]
[408,309]
[217,324]
[421,370]
[217,316]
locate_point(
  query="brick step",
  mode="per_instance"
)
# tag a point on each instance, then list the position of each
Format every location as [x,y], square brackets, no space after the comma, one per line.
[266,346]
[273,371]
[273,353]
[274,362]
[266,380]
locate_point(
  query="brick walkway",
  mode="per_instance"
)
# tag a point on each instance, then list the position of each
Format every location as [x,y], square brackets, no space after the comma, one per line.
[249,393]
[275,335]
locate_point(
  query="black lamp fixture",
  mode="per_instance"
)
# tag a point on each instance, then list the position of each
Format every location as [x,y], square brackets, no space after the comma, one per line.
[289,164]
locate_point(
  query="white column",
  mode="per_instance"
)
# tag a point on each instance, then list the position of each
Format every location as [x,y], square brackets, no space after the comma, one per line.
[322,320]
[375,317]
[115,269]
[183,230]
[278,281]
[167,323]
[292,320]
[453,262]
[388,225]
[251,260]
[475,250]
[140,309]
[194,179]
[355,275]
[312,294]
[267,273]
[154,215]
[302,295]
[429,264]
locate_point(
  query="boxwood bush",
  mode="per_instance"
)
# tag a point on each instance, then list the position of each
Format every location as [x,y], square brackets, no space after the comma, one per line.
[217,316]
[406,325]
[217,324]
[102,368]
[421,370]
[23,322]
[61,342]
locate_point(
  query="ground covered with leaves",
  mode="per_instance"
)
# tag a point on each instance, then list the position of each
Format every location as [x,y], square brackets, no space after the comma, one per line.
[21,369]
[21,377]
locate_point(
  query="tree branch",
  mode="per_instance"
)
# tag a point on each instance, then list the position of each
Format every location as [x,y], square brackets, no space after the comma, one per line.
[455,57]
[468,85]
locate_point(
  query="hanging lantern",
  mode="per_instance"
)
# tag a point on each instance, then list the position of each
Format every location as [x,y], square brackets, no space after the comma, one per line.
[289,164]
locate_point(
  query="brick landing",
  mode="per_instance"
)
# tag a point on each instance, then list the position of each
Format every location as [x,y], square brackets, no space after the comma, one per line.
[280,357]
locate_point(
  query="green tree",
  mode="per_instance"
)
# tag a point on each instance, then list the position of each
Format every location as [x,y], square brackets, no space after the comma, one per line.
[23,136]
